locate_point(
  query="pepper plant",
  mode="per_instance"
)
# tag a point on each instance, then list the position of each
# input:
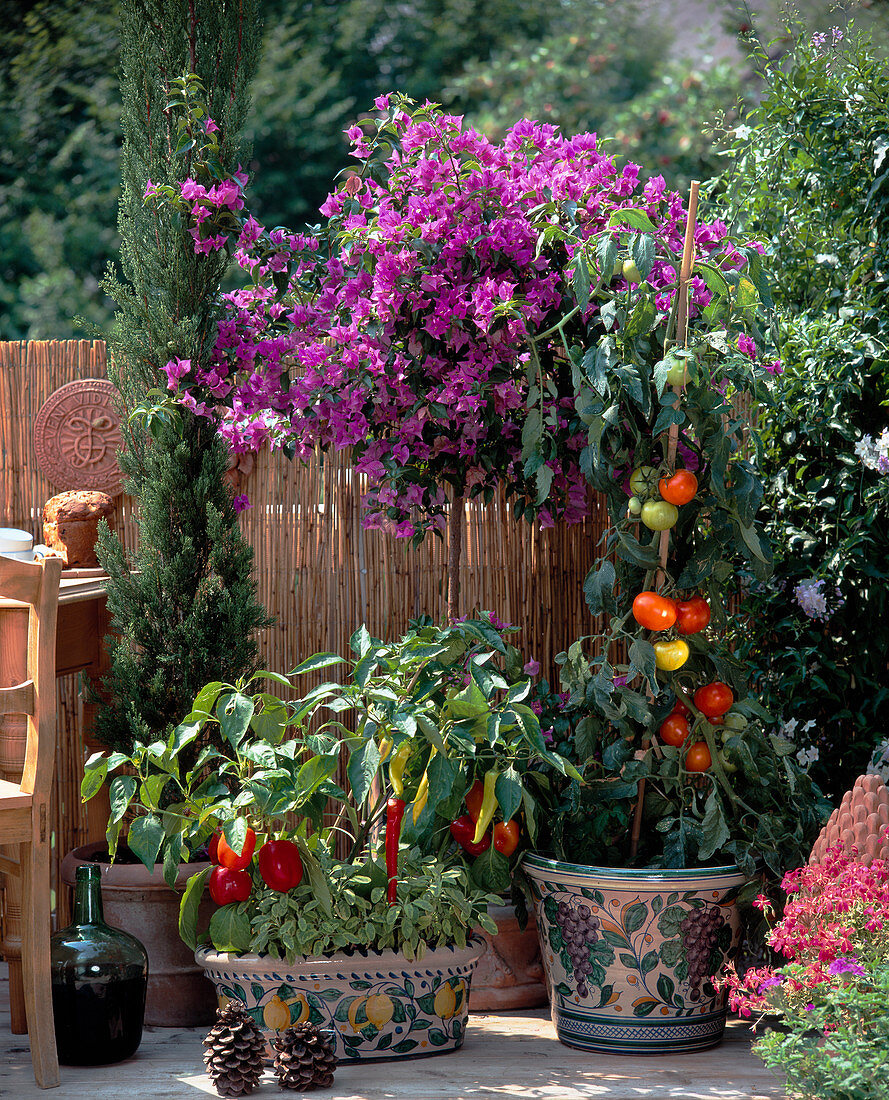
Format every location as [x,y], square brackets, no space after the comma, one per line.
[302,865]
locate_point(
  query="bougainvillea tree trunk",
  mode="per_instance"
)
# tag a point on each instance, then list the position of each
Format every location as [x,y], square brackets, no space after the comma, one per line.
[456,527]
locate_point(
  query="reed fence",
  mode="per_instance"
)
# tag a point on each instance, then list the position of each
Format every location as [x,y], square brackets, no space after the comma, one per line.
[319,572]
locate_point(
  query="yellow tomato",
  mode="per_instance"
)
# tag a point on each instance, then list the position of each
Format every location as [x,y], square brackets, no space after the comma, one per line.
[670,655]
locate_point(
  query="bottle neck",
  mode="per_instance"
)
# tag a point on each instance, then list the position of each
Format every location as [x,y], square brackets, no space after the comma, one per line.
[88,895]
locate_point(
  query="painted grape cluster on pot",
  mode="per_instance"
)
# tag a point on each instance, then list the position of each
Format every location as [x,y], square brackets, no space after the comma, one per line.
[668,947]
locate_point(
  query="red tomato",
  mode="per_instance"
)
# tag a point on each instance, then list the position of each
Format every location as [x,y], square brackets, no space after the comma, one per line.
[674,730]
[280,865]
[692,615]
[698,758]
[680,708]
[506,837]
[227,885]
[463,830]
[680,488]
[212,845]
[473,799]
[653,611]
[714,699]
[228,857]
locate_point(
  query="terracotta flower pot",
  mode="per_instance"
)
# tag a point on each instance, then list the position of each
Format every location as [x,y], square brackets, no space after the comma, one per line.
[629,954]
[142,904]
[372,1005]
[509,974]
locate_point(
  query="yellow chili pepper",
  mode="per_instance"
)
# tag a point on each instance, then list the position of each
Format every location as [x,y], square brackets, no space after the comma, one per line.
[422,796]
[385,747]
[489,805]
[423,790]
[396,768]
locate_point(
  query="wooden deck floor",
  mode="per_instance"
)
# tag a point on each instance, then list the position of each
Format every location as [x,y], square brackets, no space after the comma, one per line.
[514,1055]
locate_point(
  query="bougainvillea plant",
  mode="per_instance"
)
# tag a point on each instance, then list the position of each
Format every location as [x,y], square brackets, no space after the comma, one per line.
[831,992]
[436,324]
[475,315]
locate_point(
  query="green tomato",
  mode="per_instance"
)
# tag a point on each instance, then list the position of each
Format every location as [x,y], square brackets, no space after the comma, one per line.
[635,506]
[658,515]
[682,370]
[735,721]
[631,272]
[643,483]
[727,766]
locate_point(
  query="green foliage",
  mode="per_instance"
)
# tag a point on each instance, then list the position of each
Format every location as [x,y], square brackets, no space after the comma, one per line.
[59,178]
[811,179]
[432,705]
[827,677]
[183,606]
[607,68]
[835,1051]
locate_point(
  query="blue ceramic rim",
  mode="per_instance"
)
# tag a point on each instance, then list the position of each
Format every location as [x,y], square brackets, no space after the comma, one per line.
[631,874]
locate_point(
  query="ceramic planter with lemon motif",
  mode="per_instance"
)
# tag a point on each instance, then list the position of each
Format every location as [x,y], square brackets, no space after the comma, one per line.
[372,1005]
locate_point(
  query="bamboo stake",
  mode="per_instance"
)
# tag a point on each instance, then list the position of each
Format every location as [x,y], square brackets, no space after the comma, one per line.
[672,442]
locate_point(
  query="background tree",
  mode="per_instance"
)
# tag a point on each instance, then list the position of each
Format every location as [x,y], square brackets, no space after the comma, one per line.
[810,178]
[184,609]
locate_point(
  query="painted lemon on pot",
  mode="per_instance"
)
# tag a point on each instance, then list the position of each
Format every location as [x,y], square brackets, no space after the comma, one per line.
[379,1009]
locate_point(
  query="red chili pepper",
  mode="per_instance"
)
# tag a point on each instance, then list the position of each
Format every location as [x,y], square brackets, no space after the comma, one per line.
[462,830]
[394,814]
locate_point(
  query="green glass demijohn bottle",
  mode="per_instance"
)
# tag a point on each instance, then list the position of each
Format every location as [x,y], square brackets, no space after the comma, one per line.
[99,979]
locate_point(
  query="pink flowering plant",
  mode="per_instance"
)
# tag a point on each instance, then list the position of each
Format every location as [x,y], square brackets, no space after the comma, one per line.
[455,320]
[831,993]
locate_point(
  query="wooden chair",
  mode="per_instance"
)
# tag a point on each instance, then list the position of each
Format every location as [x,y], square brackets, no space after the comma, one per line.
[24,806]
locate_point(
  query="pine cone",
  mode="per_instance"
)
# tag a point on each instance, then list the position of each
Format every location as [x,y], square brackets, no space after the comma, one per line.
[305,1059]
[234,1054]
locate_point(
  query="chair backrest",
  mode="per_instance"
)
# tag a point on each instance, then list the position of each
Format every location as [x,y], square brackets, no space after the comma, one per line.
[37,585]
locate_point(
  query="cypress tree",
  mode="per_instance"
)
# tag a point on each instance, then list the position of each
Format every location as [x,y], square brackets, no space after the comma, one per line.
[183,606]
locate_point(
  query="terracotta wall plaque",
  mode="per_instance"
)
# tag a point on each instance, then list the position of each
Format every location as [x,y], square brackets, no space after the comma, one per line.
[77,436]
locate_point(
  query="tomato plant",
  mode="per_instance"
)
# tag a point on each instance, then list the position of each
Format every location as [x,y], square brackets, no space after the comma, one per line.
[227,885]
[698,758]
[659,515]
[692,615]
[653,611]
[680,708]
[506,837]
[236,861]
[714,699]
[680,488]
[670,655]
[280,865]
[673,730]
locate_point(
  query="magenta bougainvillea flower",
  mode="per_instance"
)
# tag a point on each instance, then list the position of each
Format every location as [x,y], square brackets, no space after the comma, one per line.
[428,325]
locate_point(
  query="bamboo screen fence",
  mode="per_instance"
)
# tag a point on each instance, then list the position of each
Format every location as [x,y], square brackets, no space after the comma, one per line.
[320,574]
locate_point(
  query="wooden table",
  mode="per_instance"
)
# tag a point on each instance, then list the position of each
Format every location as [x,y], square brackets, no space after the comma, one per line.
[80,632]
